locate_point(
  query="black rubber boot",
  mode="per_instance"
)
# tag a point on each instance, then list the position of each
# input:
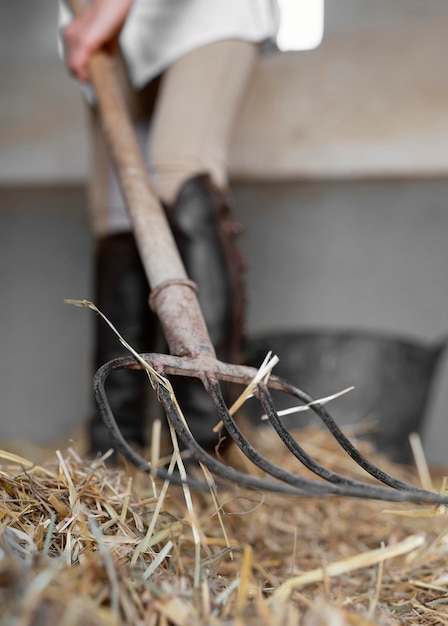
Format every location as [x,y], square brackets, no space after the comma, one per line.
[121,293]
[205,235]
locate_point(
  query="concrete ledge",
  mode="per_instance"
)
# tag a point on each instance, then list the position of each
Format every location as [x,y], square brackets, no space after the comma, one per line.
[372,101]
[366,103]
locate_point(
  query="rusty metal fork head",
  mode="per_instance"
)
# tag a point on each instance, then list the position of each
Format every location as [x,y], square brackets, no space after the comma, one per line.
[278,479]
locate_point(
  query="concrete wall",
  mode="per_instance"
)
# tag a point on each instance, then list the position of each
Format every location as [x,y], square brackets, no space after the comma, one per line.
[370,101]
[45,374]
[339,168]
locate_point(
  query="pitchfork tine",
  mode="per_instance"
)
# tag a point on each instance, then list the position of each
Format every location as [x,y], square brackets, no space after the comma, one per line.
[295,485]
[318,469]
[291,484]
[108,417]
[353,488]
[347,445]
[199,453]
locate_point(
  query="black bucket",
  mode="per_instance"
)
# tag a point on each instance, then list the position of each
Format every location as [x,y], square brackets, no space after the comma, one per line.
[392,379]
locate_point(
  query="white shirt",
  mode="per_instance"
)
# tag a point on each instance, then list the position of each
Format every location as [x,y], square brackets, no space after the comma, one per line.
[157,32]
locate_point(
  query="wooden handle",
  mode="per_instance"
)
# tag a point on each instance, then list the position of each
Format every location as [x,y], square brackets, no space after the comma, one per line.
[174,300]
[156,244]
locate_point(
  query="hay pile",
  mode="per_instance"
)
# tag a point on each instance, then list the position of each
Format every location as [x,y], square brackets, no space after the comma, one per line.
[81,543]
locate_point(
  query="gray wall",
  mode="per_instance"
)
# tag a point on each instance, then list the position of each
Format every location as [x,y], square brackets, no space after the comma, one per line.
[365,255]
[356,252]
[45,374]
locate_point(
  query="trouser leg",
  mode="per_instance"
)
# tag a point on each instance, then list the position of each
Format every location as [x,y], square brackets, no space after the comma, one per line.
[198,102]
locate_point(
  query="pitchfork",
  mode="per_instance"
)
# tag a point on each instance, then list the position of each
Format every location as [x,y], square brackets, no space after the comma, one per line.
[173,298]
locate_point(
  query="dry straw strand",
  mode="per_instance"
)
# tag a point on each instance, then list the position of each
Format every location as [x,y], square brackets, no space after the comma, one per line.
[350,564]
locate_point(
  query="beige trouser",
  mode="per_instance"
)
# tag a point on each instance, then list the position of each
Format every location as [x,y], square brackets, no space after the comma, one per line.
[184,123]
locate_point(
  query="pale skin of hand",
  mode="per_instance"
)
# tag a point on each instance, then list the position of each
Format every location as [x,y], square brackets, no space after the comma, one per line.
[97,27]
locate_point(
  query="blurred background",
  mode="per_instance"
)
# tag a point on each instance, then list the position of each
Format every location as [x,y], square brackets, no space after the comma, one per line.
[339,172]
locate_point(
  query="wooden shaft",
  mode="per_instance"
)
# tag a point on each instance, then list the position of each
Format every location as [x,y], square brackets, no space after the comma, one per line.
[176,305]
[156,244]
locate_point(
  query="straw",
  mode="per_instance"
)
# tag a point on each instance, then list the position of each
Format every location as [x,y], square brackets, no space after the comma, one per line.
[84,543]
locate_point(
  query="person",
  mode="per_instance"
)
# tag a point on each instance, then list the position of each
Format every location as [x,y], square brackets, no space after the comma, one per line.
[185,67]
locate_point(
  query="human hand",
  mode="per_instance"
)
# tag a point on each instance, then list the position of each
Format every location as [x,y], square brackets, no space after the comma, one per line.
[97,27]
